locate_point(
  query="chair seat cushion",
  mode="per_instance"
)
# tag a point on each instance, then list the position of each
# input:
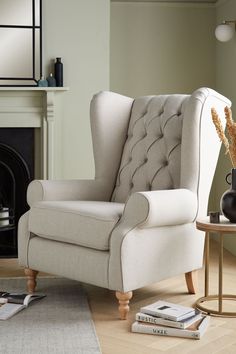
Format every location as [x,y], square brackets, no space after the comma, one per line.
[84,223]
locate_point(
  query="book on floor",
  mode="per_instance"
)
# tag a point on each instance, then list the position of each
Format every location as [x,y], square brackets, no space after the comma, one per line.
[195,331]
[11,303]
[142,317]
[168,310]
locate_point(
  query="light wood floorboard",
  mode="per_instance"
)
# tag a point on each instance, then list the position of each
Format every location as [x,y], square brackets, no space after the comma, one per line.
[115,336]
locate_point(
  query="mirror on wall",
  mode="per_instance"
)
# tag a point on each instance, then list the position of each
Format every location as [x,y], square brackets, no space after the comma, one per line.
[20,42]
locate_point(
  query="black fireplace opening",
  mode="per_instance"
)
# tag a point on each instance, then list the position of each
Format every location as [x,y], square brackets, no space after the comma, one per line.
[16,172]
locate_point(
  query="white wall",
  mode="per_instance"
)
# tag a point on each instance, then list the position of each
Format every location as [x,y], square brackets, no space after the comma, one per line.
[77,31]
[161,48]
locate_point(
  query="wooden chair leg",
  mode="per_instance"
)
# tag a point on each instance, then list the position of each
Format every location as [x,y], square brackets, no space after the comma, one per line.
[192,281]
[124,303]
[31,279]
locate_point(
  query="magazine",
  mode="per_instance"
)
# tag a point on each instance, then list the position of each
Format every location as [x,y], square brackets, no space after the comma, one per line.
[195,331]
[168,310]
[11,303]
[142,317]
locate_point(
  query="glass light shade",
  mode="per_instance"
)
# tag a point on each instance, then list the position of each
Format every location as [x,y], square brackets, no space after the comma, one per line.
[224,32]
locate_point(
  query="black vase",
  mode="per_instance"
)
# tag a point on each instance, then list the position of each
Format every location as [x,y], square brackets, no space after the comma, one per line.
[228,199]
[59,72]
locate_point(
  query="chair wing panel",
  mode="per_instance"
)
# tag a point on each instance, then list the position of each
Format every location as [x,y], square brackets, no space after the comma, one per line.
[200,143]
[110,115]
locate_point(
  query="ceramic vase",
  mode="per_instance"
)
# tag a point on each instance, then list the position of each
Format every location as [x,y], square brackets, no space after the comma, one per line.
[59,72]
[228,199]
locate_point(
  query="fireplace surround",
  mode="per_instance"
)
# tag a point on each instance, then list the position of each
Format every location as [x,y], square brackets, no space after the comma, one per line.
[28,117]
[16,171]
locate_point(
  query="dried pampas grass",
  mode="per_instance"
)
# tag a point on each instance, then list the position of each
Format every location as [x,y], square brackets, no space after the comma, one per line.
[230,142]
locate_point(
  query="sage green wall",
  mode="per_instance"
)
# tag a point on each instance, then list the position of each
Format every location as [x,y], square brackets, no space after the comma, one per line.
[225,84]
[161,48]
[155,48]
[78,31]
[168,48]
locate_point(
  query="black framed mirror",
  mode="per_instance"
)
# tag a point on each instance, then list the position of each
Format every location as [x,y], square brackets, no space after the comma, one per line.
[20,42]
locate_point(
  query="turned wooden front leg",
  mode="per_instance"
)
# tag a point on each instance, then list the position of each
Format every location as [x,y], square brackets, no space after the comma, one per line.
[192,281]
[31,279]
[124,303]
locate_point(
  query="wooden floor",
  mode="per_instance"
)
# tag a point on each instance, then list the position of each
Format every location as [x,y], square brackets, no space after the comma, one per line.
[115,336]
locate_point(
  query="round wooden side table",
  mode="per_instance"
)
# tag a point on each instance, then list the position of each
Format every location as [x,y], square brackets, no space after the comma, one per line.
[224,227]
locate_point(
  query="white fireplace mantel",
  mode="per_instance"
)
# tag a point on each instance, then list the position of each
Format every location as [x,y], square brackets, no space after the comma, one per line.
[33,107]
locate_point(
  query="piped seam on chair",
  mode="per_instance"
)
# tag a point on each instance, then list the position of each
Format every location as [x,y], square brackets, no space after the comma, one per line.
[31,235]
[199,159]
[199,152]
[131,229]
[121,269]
[124,236]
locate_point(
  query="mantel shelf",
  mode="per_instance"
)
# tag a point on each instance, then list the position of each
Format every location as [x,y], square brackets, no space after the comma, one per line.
[38,108]
[32,88]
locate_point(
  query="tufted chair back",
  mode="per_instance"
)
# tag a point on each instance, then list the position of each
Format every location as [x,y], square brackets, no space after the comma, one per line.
[155,143]
[151,156]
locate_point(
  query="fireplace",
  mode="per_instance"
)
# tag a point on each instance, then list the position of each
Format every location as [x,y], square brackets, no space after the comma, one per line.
[16,171]
[28,149]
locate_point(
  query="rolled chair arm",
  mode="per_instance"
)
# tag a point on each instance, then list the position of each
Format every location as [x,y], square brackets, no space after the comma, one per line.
[43,190]
[160,208]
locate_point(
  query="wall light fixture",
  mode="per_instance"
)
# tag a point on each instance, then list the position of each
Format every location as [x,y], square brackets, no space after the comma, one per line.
[225,31]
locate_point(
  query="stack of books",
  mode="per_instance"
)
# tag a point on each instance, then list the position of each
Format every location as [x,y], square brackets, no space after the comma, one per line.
[167,319]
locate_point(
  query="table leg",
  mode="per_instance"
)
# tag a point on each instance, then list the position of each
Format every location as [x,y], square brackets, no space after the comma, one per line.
[207,264]
[220,272]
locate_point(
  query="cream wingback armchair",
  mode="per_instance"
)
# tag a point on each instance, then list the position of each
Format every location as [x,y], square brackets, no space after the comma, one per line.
[134,224]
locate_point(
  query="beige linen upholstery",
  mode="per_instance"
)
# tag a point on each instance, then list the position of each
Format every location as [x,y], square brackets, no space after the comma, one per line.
[152,152]
[159,208]
[134,224]
[83,223]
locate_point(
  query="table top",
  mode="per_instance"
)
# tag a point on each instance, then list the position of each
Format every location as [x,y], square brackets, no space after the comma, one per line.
[224,226]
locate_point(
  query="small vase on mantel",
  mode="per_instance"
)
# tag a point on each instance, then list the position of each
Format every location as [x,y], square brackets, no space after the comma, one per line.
[59,72]
[228,199]
[51,81]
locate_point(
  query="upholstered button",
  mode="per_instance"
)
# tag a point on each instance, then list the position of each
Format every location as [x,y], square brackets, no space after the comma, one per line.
[178,114]
[160,136]
[145,160]
[130,158]
[144,135]
[131,185]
